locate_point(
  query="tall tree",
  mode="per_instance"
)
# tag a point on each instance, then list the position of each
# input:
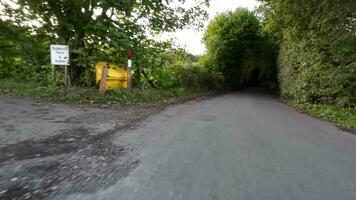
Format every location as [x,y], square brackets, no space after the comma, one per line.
[102,29]
[236,48]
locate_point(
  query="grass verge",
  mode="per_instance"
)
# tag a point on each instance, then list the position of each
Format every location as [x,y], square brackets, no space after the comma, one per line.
[343,117]
[78,95]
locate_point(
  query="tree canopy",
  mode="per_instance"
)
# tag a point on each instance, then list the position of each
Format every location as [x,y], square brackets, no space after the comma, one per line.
[102,29]
[237,48]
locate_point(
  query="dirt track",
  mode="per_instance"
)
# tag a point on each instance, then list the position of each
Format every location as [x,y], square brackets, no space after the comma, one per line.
[48,148]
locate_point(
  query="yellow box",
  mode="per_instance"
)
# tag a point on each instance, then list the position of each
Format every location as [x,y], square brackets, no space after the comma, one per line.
[117,75]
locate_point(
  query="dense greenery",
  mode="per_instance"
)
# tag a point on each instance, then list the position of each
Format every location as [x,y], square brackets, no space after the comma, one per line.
[313,40]
[305,49]
[95,30]
[178,69]
[317,57]
[238,51]
[81,95]
[343,117]
[22,57]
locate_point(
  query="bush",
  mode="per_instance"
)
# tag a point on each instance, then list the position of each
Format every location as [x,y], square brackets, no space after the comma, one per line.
[191,76]
[92,96]
[238,50]
[23,56]
[317,62]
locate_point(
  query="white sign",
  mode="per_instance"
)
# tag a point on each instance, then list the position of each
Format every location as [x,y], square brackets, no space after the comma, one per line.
[129,63]
[59,54]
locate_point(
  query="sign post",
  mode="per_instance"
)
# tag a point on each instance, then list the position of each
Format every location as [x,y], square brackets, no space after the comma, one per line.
[53,78]
[129,66]
[60,56]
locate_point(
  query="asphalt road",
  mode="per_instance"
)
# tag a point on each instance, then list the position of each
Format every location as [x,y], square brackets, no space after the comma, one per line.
[245,145]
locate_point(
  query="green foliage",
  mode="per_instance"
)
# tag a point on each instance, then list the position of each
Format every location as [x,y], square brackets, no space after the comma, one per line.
[344,117]
[238,51]
[22,56]
[176,69]
[80,95]
[317,49]
[187,76]
[98,30]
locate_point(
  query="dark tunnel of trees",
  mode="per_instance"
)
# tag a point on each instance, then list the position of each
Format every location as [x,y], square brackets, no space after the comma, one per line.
[240,51]
[305,50]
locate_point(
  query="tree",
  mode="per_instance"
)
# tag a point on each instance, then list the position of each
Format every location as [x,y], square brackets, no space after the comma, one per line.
[235,47]
[102,29]
[317,62]
[21,55]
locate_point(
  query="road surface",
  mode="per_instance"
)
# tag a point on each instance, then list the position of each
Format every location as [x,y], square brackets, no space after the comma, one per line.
[243,146]
[50,148]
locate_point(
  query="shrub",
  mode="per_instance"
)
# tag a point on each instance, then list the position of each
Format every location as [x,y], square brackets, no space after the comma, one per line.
[191,76]
[237,50]
[317,62]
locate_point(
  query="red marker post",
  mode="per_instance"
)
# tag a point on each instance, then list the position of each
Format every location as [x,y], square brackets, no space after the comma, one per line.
[129,65]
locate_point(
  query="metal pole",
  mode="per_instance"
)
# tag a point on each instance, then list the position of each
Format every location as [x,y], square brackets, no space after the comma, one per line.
[53,74]
[66,75]
[69,83]
[129,74]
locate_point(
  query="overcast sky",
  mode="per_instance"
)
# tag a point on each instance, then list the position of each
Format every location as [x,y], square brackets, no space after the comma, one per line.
[192,39]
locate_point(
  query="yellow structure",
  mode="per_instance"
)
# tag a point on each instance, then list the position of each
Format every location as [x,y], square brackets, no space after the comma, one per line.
[117,75]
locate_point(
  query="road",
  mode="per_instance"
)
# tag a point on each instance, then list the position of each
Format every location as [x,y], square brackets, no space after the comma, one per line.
[245,145]
[50,148]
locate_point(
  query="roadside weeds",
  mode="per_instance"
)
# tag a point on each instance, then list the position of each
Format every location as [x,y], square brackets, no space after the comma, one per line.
[91,96]
[343,118]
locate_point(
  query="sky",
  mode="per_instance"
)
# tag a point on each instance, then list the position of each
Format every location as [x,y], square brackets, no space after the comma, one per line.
[191,40]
